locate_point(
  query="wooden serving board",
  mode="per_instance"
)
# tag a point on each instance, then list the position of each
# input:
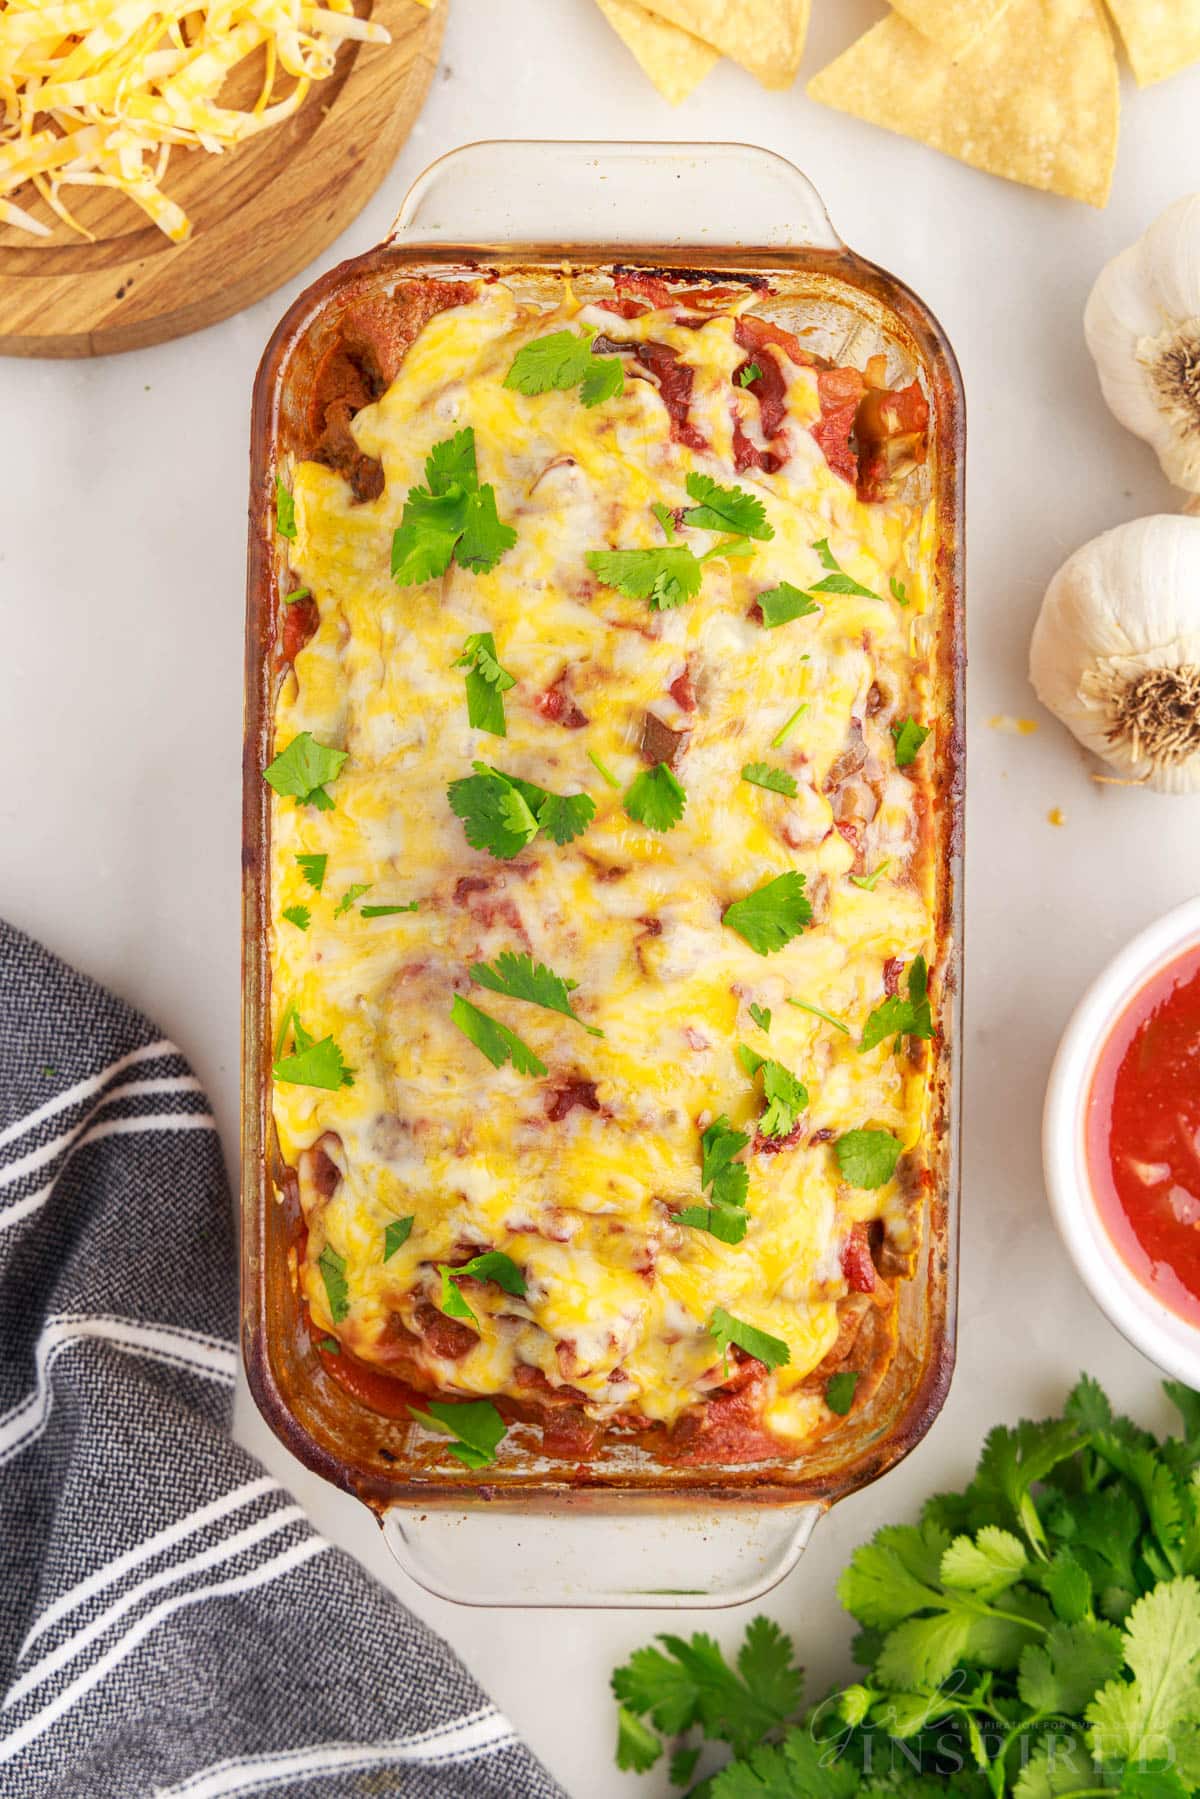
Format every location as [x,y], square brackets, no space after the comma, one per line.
[260,212]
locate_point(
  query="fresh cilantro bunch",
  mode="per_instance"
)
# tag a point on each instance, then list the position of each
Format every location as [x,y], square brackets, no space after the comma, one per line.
[451,517]
[1037,1634]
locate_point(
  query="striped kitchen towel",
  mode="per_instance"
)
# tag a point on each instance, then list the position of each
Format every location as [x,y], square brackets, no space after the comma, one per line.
[170,1624]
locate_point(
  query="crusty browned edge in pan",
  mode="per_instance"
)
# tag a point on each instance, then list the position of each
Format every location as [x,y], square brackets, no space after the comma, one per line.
[357,1449]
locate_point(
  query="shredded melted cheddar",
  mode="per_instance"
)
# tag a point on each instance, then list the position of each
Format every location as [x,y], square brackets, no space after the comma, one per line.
[618,1295]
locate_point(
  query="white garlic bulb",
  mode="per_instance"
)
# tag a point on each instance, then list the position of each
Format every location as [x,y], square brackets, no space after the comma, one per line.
[1116,650]
[1142,324]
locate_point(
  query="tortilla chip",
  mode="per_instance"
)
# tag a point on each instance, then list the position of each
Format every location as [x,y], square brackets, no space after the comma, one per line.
[951,24]
[1160,36]
[1035,100]
[765,36]
[675,61]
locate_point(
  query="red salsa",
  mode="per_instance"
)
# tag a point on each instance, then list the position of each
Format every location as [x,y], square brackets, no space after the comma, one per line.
[1143,1135]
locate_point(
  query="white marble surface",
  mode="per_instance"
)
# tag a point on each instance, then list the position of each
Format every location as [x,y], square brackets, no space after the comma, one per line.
[122,506]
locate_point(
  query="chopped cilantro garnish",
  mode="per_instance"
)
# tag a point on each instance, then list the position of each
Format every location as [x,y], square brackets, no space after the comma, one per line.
[285,510]
[899,591]
[330,1345]
[867,882]
[388,911]
[770,916]
[487,683]
[313,869]
[297,593]
[454,517]
[396,1235]
[353,892]
[495,1040]
[818,1012]
[655,799]
[477,1428]
[729,509]
[761,1016]
[867,1158]
[502,814]
[838,581]
[519,977]
[333,1273]
[908,737]
[779,605]
[666,519]
[666,577]
[493,1266]
[750,373]
[909,1017]
[564,359]
[839,1391]
[765,1348]
[300,916]
[302,769]
[785,730]
[605,774]
[638,1748]
[312,1063]
[777,780]
[786,1097]
[728,1181]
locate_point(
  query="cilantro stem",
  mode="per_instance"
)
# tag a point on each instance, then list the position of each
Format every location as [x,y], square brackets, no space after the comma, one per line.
[604,773]
[284,1025]
[780,737]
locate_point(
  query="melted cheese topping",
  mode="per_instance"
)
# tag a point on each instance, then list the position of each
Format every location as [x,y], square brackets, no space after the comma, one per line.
[618,1296]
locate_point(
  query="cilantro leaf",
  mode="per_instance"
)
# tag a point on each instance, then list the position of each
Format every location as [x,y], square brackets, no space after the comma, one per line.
[908,736]
[988,1563]
[396,1234]
[1066,1671]
[517,976]
[801,1764]
[313,870]
[839,1391]
[484,539]
[353,892]
[655,798]
[497,1042]
[683,1766]
[451,463]
[779,605]
[492,1266]
[909,1017]
[637,1746]
[565,816]
[867,1158]
[301,770]
[312,1063]
[786,1097]
[1132,1720]
[688,1682]
[333,1273]
[750,373]
[772,1351]
[666,577]
[899,591]
[495,816]
[285,511]
[761,1016]
[476,1426]
[330,1345]
[486,683]
[300,916]
[726,509]
[776,780]
[728,1223]
[728,1178]
[423,542]
[563,359]
[803,1005]
[838,581]
[771,915]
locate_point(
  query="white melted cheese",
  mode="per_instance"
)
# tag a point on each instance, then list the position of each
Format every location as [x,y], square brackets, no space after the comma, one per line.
[618,1296]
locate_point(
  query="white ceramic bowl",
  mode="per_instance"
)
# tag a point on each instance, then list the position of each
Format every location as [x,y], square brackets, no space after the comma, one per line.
[1161,1334]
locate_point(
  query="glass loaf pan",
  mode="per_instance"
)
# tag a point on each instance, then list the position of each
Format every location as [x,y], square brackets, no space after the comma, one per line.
[626,1531]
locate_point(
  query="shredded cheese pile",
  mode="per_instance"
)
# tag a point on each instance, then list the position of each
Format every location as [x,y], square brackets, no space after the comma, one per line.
[97,93]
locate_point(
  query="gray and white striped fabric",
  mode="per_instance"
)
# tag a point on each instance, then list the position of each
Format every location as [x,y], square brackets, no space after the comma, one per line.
[169,1622]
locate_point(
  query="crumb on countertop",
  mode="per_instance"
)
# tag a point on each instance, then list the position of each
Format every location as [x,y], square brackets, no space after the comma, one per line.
[1056,816]
[1015,727]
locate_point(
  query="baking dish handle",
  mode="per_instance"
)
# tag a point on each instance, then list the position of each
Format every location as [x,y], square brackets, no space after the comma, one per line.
[599,1557]
[527,192]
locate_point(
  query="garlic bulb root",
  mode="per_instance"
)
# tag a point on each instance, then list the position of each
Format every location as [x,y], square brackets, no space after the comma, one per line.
[1116,650]
[1142,324]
